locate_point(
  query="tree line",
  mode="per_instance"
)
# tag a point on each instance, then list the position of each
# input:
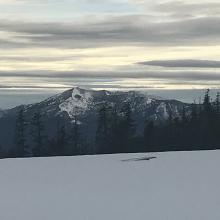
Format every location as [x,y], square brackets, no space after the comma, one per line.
[196,128]
[31,139]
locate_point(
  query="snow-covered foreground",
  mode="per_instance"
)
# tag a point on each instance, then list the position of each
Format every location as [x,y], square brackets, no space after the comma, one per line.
[174,186]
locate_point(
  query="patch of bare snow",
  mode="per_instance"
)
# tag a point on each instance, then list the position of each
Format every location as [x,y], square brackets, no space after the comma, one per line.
[162,108]
[77,103]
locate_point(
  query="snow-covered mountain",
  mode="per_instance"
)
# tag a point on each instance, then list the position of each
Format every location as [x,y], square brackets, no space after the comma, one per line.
[80,102]
[85,103]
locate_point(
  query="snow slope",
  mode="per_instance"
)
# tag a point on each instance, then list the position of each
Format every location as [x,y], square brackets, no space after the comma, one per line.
[78,103]
[174,186]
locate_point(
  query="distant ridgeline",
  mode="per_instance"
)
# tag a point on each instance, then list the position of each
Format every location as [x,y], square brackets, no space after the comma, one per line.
[81,121]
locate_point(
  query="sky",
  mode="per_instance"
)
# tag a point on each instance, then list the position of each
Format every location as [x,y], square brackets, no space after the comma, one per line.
[48,46]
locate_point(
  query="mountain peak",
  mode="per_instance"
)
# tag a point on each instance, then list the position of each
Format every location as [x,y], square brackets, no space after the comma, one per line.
[77,103]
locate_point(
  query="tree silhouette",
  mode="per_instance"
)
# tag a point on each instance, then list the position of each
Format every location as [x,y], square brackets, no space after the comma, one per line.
[20,139]
[149,135]
[114,130]
[127,128]
[76,148]
[102,138]
[62,141]
[37,132]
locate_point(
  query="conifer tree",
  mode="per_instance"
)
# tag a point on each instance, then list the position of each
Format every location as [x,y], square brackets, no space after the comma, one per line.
[170,130]
[207,104]
[102,139]
[127,127]
[207,120]
[149,135]
[37,131]
[75,149]
[217,106]
[62,141]
[216,121]
[129,122]
[114,133]
[20,139]
[194,113]
[184,118]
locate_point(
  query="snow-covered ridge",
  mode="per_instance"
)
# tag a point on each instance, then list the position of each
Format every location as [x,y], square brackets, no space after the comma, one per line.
[162,108]
[78,103]
[85,103]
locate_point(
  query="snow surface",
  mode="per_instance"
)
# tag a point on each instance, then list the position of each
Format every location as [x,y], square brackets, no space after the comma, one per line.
[163,109]
[173,186]
[78,103]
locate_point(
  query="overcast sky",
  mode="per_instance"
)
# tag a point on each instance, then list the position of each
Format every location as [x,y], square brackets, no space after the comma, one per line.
[52,45]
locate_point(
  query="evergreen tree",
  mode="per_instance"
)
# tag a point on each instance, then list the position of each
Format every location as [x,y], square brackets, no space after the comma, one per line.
[217,106]
[37,131]
[216,120]
[194,114]
[184,118]
[207,120]
[149,135]
[102,138]
[129,122]
[193,128]
[170,116]
[114,133]
[20,139]
[76,148]
[207,107]
[62,141]
[170,129]
[127,126]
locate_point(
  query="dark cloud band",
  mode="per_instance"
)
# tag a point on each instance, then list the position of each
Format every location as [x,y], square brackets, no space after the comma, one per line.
[111,75]
[183,63]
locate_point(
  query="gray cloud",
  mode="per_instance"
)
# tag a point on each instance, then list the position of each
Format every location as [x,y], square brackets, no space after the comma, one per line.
[31,87]
[53,58]
[198,76]
[85,85]
[180,8]
[113,31]
[201,27]
[183,63]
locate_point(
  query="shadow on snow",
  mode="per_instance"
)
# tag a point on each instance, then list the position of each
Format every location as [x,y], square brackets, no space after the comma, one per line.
[139,159]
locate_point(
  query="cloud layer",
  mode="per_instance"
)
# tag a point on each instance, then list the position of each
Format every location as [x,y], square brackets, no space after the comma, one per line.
[111,31]
[184,63]
[53,44]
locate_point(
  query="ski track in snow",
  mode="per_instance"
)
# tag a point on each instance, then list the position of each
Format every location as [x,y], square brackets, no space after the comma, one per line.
[172,186]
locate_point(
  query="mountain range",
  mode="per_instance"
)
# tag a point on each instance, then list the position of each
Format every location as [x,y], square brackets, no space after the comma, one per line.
[84,105]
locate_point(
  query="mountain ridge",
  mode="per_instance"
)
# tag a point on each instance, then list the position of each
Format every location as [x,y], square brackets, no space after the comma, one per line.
[85,104]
